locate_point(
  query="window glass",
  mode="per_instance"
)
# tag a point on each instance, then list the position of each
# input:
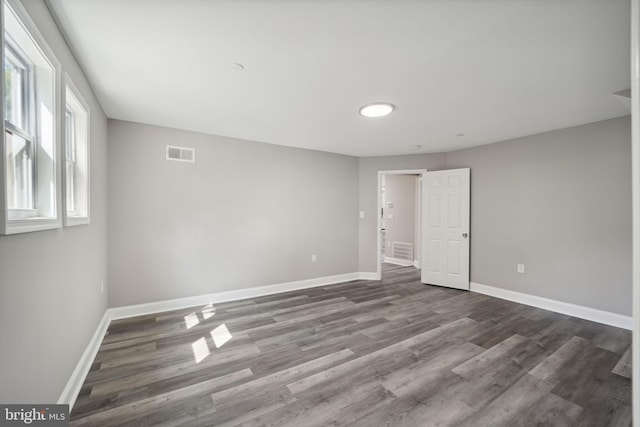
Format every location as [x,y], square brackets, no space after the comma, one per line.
[16,89]
[19,172]
[70,171]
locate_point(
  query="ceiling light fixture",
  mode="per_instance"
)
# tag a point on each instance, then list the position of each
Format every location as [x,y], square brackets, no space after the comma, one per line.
[377,109]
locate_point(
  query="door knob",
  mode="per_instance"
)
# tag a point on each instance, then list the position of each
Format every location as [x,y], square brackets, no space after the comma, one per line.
[464,235]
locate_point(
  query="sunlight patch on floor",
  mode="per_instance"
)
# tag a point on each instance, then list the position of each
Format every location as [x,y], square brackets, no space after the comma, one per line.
[208,311]
[191,320]
[220,335]
[200,350]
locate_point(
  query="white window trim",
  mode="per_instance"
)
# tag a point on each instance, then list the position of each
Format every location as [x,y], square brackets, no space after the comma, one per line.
[15,226]
[72,220]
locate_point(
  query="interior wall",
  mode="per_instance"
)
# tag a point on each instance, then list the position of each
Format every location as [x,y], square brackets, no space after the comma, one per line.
[246,214]
[50,281]
[560,203]
[400,191]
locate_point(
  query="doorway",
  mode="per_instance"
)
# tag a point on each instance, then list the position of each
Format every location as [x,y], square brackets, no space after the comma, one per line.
[399,219]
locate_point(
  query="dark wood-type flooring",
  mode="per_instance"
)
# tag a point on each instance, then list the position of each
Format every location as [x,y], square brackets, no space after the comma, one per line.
[362,353]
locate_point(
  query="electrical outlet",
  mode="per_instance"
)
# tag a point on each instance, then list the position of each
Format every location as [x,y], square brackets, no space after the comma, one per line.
[314,258]
[361,214]
[520,268]
[102,286]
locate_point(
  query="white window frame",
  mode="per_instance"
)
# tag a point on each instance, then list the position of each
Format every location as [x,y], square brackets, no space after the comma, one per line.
[46,213]
[73,101]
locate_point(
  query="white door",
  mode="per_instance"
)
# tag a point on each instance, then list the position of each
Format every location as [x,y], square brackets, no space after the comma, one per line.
[445,228]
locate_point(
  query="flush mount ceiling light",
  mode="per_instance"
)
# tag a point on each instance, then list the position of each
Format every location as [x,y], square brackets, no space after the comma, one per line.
[376,109]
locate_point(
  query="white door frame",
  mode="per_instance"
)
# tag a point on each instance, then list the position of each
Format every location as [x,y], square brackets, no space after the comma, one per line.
[420,172]
[635,167]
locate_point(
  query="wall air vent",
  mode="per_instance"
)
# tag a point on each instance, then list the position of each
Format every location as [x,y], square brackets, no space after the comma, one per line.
[181,154]
[402,250]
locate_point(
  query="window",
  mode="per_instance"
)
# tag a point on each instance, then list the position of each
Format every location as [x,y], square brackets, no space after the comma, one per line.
[29,146]
[76,169]
[19,131]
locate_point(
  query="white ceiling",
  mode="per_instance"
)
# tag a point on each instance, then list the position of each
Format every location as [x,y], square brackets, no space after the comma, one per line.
[490,69]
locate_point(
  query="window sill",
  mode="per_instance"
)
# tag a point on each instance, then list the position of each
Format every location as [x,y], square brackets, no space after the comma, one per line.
[73,220]
[22,214]
[28,225]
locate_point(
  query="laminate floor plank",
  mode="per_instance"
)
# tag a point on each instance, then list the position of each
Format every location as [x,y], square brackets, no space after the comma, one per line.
[162,368]
[393,352]
[180,372]
[607,401]
[125,352]
[406,381]
[141,408]
[579,388]
[233,395]
[623,367]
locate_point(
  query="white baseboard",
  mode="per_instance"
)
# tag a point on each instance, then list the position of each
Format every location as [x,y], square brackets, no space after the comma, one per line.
[218,297]
[71,390]
[368,276]
[398,261]
[582,312]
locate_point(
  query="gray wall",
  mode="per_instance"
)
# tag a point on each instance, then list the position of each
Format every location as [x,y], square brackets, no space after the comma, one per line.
[559,202]
[50,298]
[245,214]
[400,190]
